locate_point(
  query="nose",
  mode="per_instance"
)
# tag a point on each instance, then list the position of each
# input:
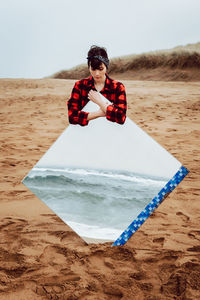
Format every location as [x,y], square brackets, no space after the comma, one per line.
[96,72]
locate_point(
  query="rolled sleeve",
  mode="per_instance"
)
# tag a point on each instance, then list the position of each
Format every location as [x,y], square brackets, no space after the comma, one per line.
[116,112]
[74,104]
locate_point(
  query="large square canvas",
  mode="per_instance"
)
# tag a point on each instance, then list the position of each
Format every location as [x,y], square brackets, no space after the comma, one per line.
[104,179]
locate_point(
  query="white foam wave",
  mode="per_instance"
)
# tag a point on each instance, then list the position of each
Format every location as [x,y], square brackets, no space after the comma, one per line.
[93,231]
[57,172]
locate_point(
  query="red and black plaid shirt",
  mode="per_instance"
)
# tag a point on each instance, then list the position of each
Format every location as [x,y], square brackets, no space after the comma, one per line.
[113,90]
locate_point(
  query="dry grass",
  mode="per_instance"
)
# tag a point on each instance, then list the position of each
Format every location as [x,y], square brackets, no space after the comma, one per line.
[181,59]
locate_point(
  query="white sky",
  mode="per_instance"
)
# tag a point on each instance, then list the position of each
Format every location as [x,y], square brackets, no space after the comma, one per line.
[41,37]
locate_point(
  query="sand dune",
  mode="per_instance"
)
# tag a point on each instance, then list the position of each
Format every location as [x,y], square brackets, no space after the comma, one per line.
[40,256]
[181,63]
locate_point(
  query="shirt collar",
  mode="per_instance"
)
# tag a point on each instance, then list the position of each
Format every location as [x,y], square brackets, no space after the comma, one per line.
[107,82]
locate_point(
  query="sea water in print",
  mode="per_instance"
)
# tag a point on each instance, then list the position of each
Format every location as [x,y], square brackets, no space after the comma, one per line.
[95,203]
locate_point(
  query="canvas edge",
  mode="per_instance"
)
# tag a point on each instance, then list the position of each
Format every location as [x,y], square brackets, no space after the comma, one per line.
[151,206]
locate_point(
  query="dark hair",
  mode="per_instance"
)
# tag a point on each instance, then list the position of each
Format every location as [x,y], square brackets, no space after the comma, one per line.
[95,62]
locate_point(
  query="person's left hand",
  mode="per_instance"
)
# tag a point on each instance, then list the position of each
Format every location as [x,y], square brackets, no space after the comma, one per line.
[94,97]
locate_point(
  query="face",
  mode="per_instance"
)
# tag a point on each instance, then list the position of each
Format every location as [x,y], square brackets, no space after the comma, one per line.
[98,74]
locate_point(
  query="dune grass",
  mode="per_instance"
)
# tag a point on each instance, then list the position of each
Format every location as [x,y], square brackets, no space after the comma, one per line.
[178,58]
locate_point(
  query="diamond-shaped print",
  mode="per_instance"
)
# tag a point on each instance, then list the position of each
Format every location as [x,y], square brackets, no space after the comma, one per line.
[105,179]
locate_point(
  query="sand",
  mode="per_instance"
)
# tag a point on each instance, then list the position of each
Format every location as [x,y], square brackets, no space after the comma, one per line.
[42,258]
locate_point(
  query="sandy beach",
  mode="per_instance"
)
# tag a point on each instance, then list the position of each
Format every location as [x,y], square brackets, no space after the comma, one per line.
[42,258]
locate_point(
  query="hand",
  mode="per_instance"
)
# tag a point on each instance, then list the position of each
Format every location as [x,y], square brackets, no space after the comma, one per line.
[94,97]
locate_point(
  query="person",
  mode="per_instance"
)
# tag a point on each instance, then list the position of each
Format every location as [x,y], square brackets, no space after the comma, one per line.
[88,89]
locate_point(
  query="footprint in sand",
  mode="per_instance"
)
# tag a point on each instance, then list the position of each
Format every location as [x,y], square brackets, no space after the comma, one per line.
[195,234]
[194,249]
[183,216]
[159,240]
[50,291]
[140,275]
[10,223]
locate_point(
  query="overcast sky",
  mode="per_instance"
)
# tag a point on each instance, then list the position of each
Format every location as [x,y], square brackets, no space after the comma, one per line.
[41,37]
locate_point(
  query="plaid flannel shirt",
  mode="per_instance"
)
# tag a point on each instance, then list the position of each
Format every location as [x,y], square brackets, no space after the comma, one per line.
[113,90]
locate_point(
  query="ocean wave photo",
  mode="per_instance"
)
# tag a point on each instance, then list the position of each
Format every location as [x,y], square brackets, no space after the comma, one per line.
[94,203]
